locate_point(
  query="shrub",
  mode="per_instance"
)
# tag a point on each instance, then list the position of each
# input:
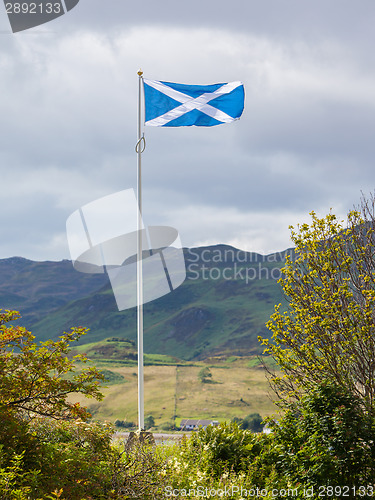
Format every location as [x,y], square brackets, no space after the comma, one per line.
[77,459]
[124,424]
[74,456]
[222,448]
[37,379]
[252,422]
[46,450]
[167,426]
[327,331]
[327,438]
[205,375]
[149,422]
[15,483]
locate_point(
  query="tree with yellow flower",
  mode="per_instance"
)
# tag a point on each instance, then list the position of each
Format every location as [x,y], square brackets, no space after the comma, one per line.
[37,379]
[328,330]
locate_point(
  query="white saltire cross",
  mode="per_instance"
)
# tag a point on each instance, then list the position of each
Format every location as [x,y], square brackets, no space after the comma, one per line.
[189,103]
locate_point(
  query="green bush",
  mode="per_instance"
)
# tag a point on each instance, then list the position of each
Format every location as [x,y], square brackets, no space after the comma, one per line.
[252,422]
[48,450]
[205,375]
[74,456]
[15,483]
[149,422]
[225,458]
[77,460]
[222,448]
[124,424]
[167,426]
[327,439]
[16,440]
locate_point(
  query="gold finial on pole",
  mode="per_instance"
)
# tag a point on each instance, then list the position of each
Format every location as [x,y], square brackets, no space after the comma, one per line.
[140,72]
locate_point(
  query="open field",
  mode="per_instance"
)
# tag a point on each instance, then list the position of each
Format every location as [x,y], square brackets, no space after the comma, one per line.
[239,387]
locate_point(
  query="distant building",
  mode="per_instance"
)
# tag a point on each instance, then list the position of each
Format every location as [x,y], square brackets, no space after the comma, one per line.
[267,429]
[191,425]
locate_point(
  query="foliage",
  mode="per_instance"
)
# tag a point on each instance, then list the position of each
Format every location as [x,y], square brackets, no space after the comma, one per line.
[77,460]
[74,456]
[149,422]
[16,440]
[253,422]
[222,448]
[139,473]
[225,458]
[15,483]
[326,439]
[44,452]
[328,331]
[167,426]
[124,424]
[32,377]
[111,377]
[205,375]
[121,339]
[37,452]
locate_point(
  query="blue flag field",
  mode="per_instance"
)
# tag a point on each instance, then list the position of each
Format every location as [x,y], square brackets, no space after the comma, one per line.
[179,105]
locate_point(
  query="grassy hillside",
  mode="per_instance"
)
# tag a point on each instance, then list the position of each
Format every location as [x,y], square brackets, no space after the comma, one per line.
[239,387]
[120,351]
[37,289]
[221,308]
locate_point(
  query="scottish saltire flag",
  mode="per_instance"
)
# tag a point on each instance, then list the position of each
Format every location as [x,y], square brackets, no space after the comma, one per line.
[178,105]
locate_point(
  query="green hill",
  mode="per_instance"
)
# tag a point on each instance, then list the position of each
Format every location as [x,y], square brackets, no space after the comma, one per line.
[37,289]
[221,307]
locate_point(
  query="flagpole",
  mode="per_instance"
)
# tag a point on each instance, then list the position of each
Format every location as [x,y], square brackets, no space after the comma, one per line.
[139,150]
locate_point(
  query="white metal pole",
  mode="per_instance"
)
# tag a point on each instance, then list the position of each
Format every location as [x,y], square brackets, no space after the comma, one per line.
[139,262]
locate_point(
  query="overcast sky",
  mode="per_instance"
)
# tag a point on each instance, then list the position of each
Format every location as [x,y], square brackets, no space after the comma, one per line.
[68,118]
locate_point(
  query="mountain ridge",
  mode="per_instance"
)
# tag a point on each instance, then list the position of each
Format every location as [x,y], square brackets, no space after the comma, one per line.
[222,306]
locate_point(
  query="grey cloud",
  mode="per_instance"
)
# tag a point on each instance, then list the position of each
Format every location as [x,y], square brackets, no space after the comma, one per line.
[68,105]
[271,17]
